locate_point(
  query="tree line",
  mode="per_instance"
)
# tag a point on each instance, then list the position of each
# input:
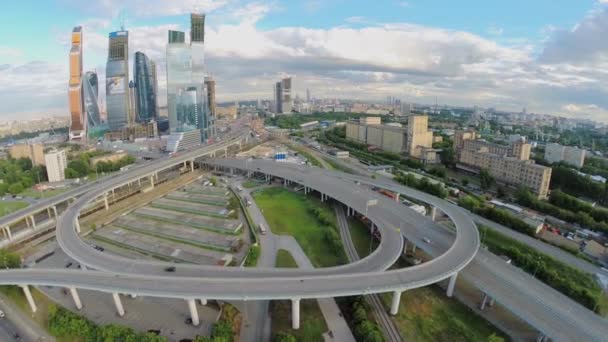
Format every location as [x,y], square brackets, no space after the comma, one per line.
[19,174]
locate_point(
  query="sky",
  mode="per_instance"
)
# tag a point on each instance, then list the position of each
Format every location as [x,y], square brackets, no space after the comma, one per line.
[548,56]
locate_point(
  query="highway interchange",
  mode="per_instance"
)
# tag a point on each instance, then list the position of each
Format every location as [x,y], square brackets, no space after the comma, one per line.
[546,309]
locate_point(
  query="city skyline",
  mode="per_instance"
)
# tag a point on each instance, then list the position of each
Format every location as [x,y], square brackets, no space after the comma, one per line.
[552,64]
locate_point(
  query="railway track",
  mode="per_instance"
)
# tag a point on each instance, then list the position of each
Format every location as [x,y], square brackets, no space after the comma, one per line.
[390,331]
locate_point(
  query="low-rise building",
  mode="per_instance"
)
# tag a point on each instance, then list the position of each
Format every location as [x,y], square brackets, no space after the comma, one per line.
[56,162]
[132,132]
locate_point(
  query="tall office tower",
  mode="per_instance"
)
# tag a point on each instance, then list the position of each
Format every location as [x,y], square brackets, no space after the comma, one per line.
[278,98]
[91,102]
[154,87]
[211,104]
[286,102]
[78,128]
[307,95]
[177,37]
[197,28]
[133,111]
[145,88]
[186,91]
[117,80]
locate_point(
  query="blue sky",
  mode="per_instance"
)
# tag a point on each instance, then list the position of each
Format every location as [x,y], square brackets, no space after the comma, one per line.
[544,55]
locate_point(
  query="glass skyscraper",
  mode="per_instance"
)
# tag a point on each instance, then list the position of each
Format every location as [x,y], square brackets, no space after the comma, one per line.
[95,128]
[117,80]
[145,95]
[186,91]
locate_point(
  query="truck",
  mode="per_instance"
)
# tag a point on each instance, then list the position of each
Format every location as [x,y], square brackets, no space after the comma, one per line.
[262,229]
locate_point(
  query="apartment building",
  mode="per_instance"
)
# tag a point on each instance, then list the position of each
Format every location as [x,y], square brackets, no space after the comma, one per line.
[33,152]
[419,138]
[56,162]
[389,138]
[508,164]
[554,153]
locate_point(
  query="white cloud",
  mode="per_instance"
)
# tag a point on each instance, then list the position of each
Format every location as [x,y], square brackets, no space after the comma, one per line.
[147,8]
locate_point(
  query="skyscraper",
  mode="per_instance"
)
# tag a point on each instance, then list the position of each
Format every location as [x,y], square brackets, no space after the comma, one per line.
[91,103]
[286,102]
[197,28]
[307,95]
[211,105]
[278,97]
[75,93]
[154,87]
[186,89]
[145,92]
[117,80]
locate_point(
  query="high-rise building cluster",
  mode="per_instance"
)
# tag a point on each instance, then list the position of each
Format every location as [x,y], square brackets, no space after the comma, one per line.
[283,103]
[190,92]
[508,164]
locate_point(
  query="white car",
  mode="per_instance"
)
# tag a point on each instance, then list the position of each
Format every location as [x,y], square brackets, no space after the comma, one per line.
[426,240]
[2,314]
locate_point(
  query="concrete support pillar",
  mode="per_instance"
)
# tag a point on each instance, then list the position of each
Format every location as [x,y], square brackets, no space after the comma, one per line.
[48,213]
[105,201]
[192,165]
[139,182]
[33,221]
[76,298]
[27,221]
[491,304]
[152,181]
[8,233]
[77,224]
[413,248]
[541,337]
[397,197]
[295,313]
[404,246]
[193,312]
[451,285]
[203,301]
[483,302]
[226,152]
[30,299]
[433,213]
[133,295]
[119,308]
[54,211]
[395,302]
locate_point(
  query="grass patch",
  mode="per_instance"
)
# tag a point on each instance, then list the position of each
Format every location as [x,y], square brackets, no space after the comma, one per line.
[312,323]
[44,194]
[337,166]
[285,260]
[189,224]
[7,207]
[196,200]
[289,213]
[359,233]
[426,314]
[249,184]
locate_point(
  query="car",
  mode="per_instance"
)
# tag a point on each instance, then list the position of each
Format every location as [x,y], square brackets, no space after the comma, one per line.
[68,265]
[426,240]
[99,248]
[2,314]
[188,321]
[170,269]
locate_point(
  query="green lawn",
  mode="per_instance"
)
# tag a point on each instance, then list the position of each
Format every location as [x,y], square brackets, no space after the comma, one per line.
[43,303]
[7,207]
[426,314]
[287,213]
[312,323]
[44,194]
[248,184]
[285,260]
[359,233]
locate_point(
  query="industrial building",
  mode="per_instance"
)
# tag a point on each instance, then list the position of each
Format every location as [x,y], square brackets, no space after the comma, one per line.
[555,153]
[56,162]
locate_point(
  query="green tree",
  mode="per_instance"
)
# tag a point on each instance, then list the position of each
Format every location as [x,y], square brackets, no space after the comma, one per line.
[71,173]
[80,166]
[9,260]
[284,337]
[16,188]
[495,338]
[3,189]
[486,179]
